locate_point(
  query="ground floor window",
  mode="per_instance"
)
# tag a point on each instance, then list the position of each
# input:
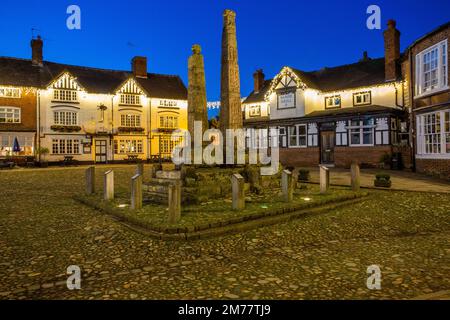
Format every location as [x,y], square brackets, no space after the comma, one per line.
[65,146]
[361,132]
[297,135]
[128,146]
[168,144]
[24,144]
[433,133]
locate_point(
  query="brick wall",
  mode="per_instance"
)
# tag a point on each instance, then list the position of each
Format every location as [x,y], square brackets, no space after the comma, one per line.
[299,157]
[27,103]
[434,167]
[370,156]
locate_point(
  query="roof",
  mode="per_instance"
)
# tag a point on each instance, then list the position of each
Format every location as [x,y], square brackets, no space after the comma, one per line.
[21,72]
[258,96]
[436,30]
[351,111]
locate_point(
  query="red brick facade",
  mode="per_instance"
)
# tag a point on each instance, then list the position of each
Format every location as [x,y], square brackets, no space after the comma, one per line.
[299,157]
[27,103]
[435,167]
[365,156]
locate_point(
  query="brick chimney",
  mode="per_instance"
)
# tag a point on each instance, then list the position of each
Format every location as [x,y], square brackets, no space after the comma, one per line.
[36,51]
[391,52]
[258,80]
[139,67]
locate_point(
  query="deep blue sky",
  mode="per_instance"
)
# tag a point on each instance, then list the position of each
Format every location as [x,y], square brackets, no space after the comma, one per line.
[271,33]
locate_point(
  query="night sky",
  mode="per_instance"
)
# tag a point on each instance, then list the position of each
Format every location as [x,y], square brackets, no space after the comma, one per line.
[304,34]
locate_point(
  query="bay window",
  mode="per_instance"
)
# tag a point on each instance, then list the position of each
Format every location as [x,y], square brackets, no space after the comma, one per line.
[433,134]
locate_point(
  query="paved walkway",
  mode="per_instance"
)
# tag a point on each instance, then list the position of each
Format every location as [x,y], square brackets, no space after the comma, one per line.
[401,180]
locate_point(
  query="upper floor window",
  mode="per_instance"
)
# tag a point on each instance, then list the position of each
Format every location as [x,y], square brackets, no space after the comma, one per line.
[65,118]
[168,103]
[9,92]
[434,133]
[431,69]
[362,98]
[297,135]
[130,120]
[254,111]
[333,102]
[9,115]
[361,132]
[65,95]
[169,122]
[130,99]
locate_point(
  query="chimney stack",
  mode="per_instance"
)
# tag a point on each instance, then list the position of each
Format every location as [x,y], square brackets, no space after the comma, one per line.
[139,67]
[36,51]
[258,80]
[365,57]
[391,52]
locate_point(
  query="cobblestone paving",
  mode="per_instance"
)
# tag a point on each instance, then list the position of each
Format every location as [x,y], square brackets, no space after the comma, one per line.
[43,231]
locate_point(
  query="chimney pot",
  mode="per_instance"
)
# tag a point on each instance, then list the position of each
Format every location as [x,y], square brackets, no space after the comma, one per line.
[258,80]
[36,51]
[139,67]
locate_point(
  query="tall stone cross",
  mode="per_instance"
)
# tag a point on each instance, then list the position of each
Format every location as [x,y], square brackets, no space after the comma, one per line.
[230,92]
[196,90]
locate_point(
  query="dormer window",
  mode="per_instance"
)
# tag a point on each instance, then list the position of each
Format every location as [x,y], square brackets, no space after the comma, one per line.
[362,98]
[65,88]
[254,111]
[333,102]
[65,95]
[130,99]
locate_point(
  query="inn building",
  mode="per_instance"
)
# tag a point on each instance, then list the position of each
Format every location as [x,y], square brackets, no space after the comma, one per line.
[339,115]
[89,114]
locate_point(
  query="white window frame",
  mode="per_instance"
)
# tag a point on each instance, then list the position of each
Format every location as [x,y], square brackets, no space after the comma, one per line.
[63,146]
[130,99]
[65,118]
[366,98]
[254,111]
[168,122]
[133,146]
[362,129]
[11,115]
[130,120]
[6,92]
[442,69]
[297,136]
[333,103]
[65,95]
[424,135]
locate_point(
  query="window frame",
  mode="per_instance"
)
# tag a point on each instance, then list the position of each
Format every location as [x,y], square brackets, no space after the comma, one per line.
[297,136]
[130,99]
[12,90]
[441,138]
[251,111]
[361,129]
[13,113]
[333,106]
[130,120]
[68,115]
[62,146]
[363,93]
[65,95]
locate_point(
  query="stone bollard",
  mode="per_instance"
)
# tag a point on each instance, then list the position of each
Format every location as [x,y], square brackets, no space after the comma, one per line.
[324,179]
[355,176]
[238,194]
[136,192]
[140,168]
[108,185]
[287,185]
[90,180]
[174,202]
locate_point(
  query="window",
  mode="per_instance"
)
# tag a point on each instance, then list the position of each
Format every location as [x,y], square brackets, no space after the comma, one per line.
[361,132]
[130,120]
[282,137]
[362,98]
[130,99]
[9,92]
[168,103]
[332,102]
[431,69]
[9,115]
[168,122]
[65,118]
[65,95]
[65,146]
[434,133]
[128,146]
[297,135]
[167,144]
[254,111]
[25,140]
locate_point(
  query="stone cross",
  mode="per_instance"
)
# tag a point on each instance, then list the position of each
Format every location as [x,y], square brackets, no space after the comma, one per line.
[90,180]
[140,168]
[174,202]
[136,192]
[237,189]
[355,176]
[108,185]
[287,185]
[324,179]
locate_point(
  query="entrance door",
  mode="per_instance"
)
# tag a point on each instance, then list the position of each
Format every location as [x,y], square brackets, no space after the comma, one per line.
[100,151]
[327,147]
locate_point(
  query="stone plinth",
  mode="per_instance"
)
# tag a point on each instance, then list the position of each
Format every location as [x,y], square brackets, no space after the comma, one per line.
[174,202]
[136,192]
[108,185]
[355,176]
[287,185]
[237,189]
[324,179]
[90,180]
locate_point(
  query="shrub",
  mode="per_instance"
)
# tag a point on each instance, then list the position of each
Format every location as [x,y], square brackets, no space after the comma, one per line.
[382,180]
[303,175]
[383,176]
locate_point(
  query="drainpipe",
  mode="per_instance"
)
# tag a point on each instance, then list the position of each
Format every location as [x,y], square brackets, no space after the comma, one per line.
[112,127]
[411,117]
[38,138]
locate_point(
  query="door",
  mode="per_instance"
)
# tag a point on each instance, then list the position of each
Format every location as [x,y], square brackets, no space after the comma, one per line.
[327,147]
[100,151]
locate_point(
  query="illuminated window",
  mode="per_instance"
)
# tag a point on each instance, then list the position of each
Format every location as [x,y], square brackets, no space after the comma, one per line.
[65,146]
[9,115]
[362,98]
[167,144]
[9,92]
[431,69]
[130,120]
[65,95]
[333,102]
[254,111]
[168,103]
[65,118]
[168,122]
[361,132]
[128,146]
[433,133]
[130,99]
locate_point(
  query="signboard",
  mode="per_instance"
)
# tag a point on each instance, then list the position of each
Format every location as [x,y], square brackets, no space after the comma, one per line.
[286,100]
